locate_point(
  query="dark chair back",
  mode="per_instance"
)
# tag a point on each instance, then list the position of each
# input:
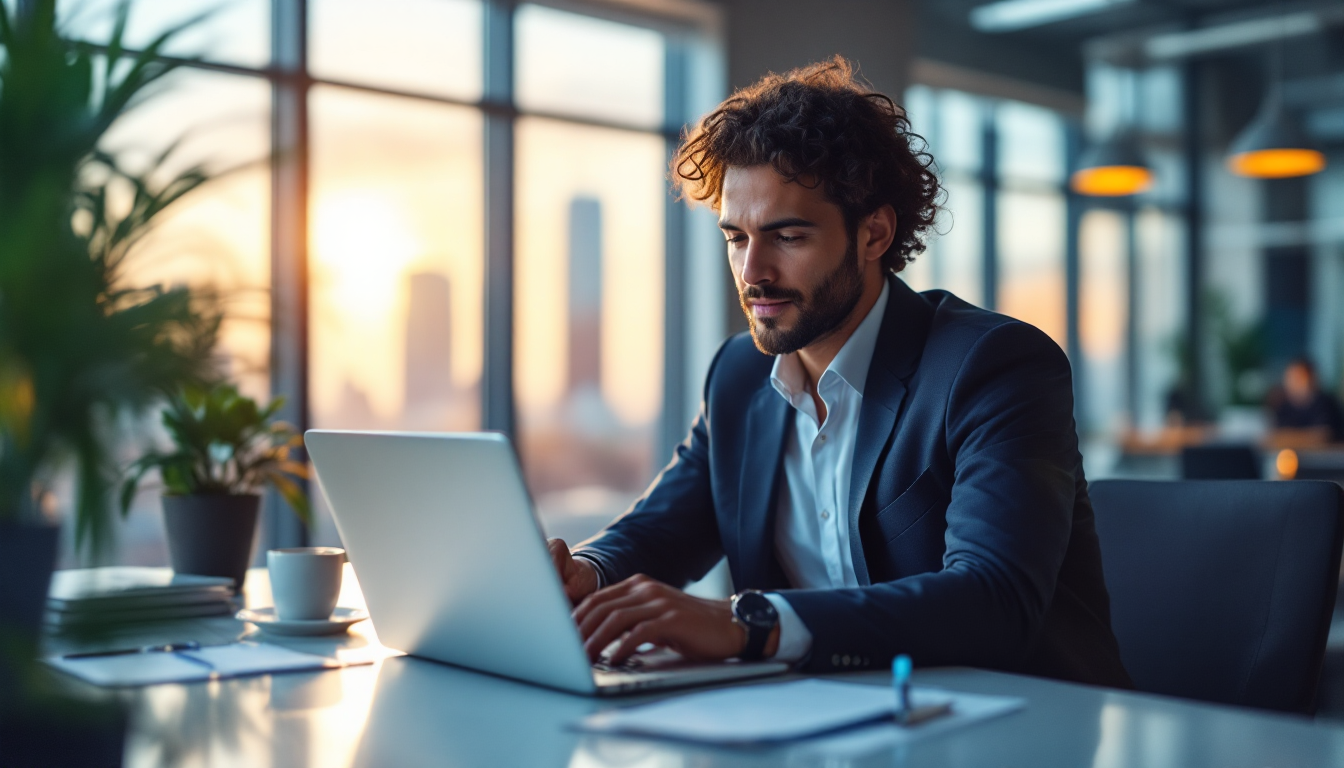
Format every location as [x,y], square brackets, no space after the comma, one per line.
[1221,462]
[1222,590]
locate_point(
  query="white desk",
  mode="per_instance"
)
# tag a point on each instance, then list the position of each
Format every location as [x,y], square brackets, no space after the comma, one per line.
[402,711]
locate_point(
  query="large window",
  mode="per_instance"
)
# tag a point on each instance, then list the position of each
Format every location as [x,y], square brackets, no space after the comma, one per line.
[395,269]
[588,292]
[1031,216]
[952,124]
[1104,253]
[1001,164]
[589,330]
[364,148]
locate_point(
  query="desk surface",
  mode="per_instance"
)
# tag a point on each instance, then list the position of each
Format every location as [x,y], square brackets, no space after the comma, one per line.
[401,711]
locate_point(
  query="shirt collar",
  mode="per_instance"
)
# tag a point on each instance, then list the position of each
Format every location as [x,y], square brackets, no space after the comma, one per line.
[851,363]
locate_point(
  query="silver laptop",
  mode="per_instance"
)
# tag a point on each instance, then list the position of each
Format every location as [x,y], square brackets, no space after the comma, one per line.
[453,563]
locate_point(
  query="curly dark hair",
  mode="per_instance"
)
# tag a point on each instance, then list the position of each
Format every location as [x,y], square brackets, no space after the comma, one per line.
[819,126]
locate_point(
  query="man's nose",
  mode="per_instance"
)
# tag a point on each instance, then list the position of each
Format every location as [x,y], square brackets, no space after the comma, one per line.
[757,268]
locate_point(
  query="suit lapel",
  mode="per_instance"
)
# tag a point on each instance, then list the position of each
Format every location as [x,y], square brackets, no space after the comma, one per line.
[767,423]
[900,343]
[882,399]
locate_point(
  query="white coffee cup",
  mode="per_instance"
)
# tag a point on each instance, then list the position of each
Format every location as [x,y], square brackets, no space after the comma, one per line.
[305,581]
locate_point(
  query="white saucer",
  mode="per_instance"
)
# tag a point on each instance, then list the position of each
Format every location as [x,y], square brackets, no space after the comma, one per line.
[266,621]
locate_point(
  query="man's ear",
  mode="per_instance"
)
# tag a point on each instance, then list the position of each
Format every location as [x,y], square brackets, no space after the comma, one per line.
[876,232]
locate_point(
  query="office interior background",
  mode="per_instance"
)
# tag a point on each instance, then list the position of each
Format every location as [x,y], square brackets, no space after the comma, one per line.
[454,214]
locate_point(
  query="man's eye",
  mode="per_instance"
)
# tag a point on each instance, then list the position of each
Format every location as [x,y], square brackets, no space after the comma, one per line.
[789,238]
[737,238]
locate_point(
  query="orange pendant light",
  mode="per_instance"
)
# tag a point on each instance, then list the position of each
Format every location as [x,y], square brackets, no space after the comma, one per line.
[1115,168]
[1273,147]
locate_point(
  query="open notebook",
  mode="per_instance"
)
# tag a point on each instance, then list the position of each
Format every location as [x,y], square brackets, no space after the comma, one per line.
[779,712]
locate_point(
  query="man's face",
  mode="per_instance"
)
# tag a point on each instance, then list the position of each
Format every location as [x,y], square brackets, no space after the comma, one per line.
[1299,384]
[797,270]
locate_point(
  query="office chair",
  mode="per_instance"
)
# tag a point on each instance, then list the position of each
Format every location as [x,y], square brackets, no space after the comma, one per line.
[1220,462]
[1222,590]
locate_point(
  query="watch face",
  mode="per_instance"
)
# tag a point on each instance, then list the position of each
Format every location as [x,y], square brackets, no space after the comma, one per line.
[755,609]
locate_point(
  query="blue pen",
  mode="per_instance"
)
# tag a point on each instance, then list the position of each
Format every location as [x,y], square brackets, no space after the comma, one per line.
[906,713]
[901,667]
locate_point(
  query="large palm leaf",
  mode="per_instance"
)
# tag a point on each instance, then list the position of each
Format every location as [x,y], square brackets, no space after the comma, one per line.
[77,343]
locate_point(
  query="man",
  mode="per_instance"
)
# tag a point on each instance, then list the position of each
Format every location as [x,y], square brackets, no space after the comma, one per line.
[895,472]
[1300,405]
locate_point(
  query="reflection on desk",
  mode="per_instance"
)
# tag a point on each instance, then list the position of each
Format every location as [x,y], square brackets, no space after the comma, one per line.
[409,712]
[430,714]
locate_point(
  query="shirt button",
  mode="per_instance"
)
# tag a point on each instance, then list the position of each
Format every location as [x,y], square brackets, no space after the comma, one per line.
[822,438]
[825,514]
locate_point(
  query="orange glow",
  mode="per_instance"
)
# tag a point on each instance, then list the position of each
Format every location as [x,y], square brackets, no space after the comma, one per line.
[1286,464]
[1277,163]
[1111,180]
[363,239]
[1102,309]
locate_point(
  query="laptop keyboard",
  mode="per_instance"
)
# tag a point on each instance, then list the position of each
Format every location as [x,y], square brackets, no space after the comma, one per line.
[632,664]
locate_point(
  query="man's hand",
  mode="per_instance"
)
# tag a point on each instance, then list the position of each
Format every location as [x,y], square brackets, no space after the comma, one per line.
[641,610]
[577,574]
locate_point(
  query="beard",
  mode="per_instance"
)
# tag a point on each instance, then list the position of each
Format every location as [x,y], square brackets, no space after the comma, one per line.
[830,303]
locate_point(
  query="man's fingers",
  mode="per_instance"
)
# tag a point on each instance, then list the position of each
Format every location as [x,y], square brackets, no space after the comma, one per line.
[570,577]
[593,618]
[638,585]
[559,555]
[650,631]
[595,601]
[617,623]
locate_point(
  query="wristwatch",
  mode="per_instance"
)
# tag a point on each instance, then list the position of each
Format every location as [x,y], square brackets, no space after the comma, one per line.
[755,613]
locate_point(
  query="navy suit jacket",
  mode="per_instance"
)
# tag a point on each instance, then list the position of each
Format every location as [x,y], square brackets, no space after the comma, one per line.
[974,542]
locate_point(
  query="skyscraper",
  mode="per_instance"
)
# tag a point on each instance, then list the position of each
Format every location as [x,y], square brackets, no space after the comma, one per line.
[428,340]
[585,294]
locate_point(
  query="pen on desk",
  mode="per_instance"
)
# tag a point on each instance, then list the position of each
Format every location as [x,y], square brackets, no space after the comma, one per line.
[906,713]
[167,648]
[900,680]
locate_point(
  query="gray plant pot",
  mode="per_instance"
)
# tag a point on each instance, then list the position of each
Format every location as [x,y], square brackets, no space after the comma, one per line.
[211,535]
[27,557]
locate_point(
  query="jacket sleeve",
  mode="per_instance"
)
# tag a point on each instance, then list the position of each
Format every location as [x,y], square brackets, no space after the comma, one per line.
[1011,436]
[671,532]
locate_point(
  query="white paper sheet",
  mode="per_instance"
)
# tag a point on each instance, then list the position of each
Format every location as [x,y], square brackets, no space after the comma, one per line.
[785,711]
[209,662]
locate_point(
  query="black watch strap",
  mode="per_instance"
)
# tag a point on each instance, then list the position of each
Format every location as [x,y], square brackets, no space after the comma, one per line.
[755,613]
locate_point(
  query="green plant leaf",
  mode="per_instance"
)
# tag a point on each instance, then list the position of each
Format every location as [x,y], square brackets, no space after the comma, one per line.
[293,495]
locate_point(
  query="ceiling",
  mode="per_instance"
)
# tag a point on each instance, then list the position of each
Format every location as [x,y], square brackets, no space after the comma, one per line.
[1120,18]
[1053,54]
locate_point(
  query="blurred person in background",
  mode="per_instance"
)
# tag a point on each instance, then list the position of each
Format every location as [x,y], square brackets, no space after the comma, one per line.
[1300,408]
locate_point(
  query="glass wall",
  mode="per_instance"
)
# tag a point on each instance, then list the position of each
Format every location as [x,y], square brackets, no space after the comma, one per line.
[1025,169]
[237,32]
[418,46]
[952,123]
[383,135]
[1031,216]
[1104,250]
[395,228]
[589,286]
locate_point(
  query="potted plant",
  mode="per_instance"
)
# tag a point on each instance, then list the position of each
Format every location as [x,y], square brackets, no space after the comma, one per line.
[78,344]
[225,449]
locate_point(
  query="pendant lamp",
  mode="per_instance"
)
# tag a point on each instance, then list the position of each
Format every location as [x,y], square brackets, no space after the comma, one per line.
[1114,168]
[1273,146]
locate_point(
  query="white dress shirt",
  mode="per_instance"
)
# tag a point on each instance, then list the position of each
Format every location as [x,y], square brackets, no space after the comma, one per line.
[812,519]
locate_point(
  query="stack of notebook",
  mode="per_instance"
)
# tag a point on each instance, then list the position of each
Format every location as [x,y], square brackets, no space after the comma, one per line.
[120,594]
